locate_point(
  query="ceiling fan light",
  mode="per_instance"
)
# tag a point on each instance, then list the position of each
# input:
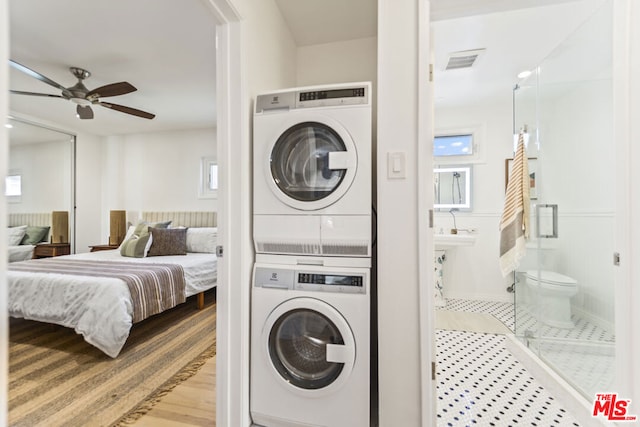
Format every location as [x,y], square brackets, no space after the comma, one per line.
[81,101]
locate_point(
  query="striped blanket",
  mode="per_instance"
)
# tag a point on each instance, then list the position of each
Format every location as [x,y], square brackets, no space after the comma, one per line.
[154,288]
[514,223]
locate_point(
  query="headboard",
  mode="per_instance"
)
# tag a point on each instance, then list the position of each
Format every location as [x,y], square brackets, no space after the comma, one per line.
[34,219]
[184,219]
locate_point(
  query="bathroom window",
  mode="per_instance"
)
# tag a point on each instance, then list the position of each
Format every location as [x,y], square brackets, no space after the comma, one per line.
[459,145]
[453,145]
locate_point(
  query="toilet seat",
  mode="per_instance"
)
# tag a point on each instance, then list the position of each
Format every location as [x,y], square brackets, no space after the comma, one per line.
[551,277]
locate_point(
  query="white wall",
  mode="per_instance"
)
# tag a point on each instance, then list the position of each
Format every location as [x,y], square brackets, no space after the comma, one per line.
[399,320]
[266,62]
[340,62]
[472,272]
[45,169]
[88,201]
[155,171]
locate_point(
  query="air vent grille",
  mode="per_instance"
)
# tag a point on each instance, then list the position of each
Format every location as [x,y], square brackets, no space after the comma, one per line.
[463,59]
[313,249]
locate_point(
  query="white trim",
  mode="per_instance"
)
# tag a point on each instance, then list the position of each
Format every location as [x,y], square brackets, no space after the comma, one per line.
[428,390]
[234,268]
[4,155]
[626,65]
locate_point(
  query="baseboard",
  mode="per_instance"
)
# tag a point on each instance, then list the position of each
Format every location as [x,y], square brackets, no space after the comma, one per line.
[507,297]
[572,401]
[598,321]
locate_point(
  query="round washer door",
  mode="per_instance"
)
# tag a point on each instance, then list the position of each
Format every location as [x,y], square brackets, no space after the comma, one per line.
[312,162]
[309,345]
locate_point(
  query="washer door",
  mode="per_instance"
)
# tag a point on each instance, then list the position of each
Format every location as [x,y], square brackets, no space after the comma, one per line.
[312,163]
[310,345]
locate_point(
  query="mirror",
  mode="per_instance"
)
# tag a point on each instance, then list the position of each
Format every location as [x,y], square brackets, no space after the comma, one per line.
[42,160]
[452,187]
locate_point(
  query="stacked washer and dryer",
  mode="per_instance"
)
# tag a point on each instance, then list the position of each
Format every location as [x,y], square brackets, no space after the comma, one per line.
[310,299]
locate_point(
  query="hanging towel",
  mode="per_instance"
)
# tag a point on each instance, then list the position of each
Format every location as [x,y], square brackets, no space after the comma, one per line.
[514,223]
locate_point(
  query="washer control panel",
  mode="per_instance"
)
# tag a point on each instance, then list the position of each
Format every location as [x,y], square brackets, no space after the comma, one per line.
[314,281]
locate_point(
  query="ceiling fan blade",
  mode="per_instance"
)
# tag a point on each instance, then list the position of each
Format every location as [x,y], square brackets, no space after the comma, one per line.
[20,92]
[127,110]
[113,89]
[84,112]
[36,75]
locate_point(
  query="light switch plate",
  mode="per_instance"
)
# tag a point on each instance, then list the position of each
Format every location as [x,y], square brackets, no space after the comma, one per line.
[396,165]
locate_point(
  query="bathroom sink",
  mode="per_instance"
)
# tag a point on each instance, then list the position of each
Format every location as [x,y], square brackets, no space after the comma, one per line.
[448,241]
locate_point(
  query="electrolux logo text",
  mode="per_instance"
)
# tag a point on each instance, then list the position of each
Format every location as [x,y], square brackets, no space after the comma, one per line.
[611,408]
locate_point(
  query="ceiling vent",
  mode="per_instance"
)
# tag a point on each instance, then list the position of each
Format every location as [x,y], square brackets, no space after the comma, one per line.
[463,59]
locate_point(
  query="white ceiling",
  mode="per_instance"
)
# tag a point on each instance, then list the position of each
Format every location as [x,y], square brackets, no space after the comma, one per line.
[166,50]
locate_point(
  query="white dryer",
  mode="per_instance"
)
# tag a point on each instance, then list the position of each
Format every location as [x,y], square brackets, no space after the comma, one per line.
[312,171]
[310,346]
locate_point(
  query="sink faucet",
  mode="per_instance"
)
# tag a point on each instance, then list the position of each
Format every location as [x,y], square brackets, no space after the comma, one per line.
[454,230]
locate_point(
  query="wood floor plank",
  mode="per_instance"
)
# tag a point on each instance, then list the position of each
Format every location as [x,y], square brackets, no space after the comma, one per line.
[190,404]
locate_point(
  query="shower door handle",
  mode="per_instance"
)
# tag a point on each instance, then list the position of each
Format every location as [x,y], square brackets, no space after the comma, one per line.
[547,226]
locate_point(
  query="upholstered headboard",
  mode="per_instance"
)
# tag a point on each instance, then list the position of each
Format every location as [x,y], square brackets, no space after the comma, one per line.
[184,219]
[34,219]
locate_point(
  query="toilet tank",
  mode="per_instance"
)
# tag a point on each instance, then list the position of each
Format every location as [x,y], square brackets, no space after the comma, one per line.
[545,254]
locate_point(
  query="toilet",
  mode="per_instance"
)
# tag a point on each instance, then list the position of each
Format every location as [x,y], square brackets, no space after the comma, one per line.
[554,292]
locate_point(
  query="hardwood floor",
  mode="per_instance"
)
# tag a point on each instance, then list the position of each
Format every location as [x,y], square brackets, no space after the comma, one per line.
[192,403]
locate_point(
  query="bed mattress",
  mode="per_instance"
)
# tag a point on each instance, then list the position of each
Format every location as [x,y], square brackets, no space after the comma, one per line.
[99,308]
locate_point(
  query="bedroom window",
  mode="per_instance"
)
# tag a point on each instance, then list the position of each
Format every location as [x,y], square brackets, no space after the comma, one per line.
[208,178]
[13,187]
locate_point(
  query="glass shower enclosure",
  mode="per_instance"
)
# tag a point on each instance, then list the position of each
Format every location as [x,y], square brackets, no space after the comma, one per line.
[564,296]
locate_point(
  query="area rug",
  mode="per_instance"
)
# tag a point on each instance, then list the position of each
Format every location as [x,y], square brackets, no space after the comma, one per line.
[57,379]
[469,322]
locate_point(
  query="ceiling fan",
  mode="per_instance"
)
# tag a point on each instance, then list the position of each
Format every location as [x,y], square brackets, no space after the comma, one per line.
[82,96]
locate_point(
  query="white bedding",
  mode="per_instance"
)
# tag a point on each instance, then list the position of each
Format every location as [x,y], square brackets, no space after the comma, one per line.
[99,308]
[20,252]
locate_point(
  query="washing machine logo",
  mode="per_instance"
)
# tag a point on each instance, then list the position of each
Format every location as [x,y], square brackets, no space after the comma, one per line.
[275,100]
[274,276]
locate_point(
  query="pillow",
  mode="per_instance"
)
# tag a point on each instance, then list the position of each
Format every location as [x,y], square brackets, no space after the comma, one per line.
[168,241]
[202,239]
[35,235]
[138,243]
[15,235]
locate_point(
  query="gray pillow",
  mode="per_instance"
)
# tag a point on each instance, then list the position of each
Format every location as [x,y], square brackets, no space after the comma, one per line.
[35,235]
[168,241]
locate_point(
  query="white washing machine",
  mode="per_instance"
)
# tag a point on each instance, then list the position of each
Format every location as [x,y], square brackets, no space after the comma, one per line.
[312,171]
[310,346]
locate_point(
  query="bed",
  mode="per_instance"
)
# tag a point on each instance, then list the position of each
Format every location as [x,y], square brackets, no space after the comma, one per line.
[102,294]
[25,231]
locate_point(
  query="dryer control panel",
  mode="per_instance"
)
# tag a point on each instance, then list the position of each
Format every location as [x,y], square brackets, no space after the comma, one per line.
[313,281]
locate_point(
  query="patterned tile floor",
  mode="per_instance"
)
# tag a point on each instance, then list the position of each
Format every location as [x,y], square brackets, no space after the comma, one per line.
[481,383]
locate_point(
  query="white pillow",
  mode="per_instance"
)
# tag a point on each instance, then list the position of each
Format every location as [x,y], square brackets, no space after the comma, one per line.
[202,239]
[15,235]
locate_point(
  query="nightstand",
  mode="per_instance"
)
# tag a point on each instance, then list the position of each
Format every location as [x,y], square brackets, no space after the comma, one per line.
[96,248]
[46,250]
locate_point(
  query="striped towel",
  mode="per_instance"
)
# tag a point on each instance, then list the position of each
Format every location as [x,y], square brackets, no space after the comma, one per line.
[514,223]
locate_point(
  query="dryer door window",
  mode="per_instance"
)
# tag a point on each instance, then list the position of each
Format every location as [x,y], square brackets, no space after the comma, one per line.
[299,343]
[308,161]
